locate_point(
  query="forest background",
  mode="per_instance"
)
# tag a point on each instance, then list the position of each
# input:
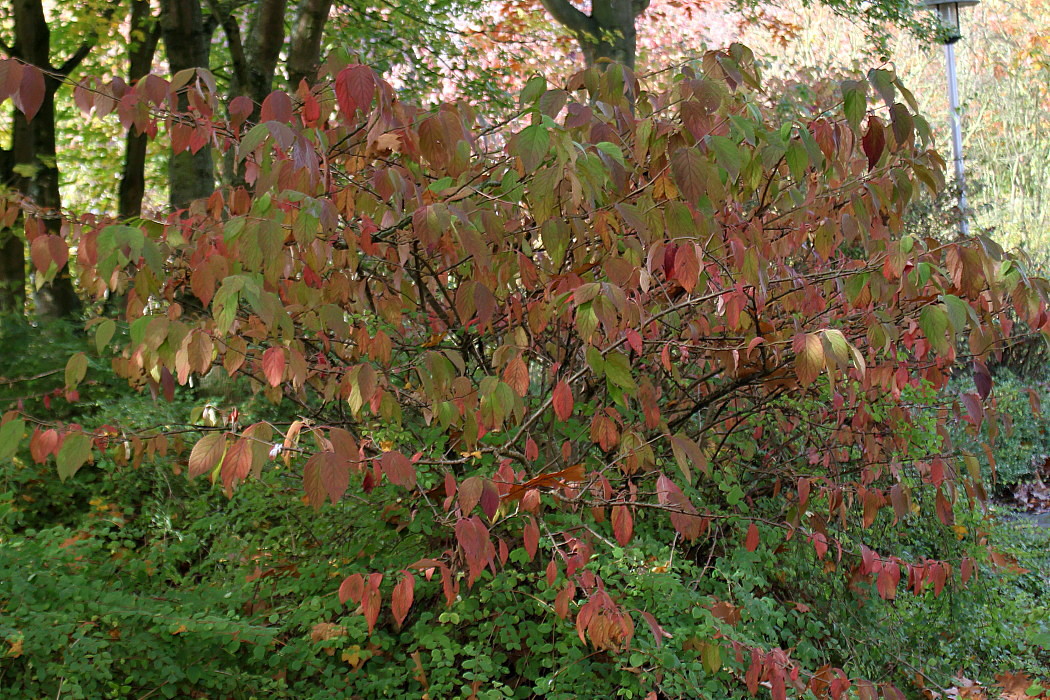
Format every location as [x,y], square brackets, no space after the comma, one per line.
[368,349]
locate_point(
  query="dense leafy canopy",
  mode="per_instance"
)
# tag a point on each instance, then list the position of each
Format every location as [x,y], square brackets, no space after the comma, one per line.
[583,360]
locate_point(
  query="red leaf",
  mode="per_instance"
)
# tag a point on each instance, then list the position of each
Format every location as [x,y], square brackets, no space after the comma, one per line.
[531,537]
[562,400]
[354,88]
[398,469]
[30,93]
[43,444]
[967,569]
[372,601]
[659,633]
[889,577]
[273,362]
[470,493]
[751,541]
[276,107]
[206,454]
[552,573]
[623,524]
[237,463]
[874,142]
[401,599]
[683,513]
[352,588]
[562,600]
[516,375]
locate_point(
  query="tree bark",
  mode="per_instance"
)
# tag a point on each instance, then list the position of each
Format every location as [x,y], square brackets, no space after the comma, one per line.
[304,50]
[187,42]
[144,32]
[607,34]
[33,146]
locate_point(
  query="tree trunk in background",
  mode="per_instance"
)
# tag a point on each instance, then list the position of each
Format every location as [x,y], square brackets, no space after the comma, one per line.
[304,50]
[187,42]
[143,34]
[33,145]
[607,34]
[12,256]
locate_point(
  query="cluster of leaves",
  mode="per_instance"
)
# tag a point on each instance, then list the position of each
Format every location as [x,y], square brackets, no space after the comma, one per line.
[640,317]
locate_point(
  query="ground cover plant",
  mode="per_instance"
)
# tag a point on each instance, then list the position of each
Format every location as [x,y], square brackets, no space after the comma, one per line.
[632,395]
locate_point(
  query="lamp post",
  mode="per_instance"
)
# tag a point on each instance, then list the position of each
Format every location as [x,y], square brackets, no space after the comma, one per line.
[948,11]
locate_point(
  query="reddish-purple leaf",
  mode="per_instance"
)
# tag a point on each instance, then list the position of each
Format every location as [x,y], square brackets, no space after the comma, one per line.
[354,88]
[473,539]
[30,95]
[398,469]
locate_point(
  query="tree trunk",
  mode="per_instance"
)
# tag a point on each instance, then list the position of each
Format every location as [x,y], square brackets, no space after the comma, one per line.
[607,34]
[142,45]
[304,50]
[187,42]
[33,147]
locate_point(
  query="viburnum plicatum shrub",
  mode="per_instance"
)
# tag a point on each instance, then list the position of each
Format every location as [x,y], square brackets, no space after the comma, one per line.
[660,312]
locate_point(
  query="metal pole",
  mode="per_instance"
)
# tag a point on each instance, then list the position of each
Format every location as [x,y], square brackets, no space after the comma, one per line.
[953,102]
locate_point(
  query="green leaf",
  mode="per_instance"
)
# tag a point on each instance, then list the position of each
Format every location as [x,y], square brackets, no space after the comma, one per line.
[104,333]
[533,90]
[933,320]
[611,150]
[618,371]
[854,103]
[75,451]
[958,312]
[797,159]
[728,155]
[76,368]
[531,145]
[441,185]
[10,434]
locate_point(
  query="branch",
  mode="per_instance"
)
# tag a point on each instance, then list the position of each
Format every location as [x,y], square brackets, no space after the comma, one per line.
[233,36]
[566,14]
